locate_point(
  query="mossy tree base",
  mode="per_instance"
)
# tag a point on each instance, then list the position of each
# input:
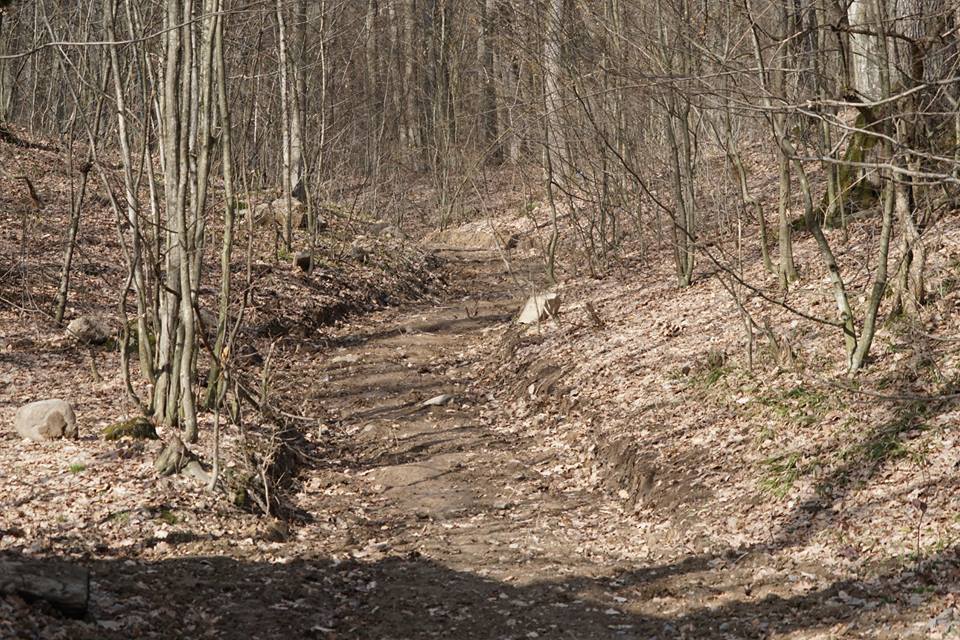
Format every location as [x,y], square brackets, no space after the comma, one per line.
[854,190]
[856,197]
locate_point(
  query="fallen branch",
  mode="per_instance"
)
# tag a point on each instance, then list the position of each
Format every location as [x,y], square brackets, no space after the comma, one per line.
[64,586]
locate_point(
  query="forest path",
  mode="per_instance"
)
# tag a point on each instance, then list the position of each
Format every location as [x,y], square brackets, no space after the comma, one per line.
[440,523]
[438,503]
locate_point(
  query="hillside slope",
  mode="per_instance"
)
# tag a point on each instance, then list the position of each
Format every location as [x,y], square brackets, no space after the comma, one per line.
[847,488]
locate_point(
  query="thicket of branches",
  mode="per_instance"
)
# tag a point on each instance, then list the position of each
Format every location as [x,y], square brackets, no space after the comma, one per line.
[637,116]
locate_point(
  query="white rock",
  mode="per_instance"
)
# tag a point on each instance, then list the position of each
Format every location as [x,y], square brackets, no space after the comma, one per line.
[438,401]
[539,308]
[46,420]
[297,212]
[90,329]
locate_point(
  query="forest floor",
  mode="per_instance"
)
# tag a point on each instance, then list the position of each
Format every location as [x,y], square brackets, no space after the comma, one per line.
[620,471]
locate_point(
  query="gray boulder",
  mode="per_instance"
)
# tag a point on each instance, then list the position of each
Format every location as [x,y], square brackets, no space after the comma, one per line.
[208,320]
[383,229]
[46,420]
[90,329]
[540,307]
[303,259]
[360,249]
[297,212]
[391,231]
[262,215]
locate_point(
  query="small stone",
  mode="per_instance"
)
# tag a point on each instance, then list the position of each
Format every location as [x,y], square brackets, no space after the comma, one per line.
[438,401]
[392,231]
[540,307]
[46,420]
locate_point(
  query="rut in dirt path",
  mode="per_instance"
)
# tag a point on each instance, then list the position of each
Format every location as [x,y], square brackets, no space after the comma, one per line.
[401,395]
[408,418]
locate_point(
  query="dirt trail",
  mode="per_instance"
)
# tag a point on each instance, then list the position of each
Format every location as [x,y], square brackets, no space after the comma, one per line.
[456,534]
[436,512]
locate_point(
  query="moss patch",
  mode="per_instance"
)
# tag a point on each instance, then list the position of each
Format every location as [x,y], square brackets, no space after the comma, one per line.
[853,187]
[138,428]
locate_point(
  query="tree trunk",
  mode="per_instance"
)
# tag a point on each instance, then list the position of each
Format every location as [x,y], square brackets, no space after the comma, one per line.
[556,143]
[488,92]
[131,201]
[167,380]
[286,128]
[226,141]
[786,268]
[411,138]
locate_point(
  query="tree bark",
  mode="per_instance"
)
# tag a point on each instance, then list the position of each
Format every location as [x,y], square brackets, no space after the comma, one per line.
[229,188]
[411,137]
[488,92]
[286,128]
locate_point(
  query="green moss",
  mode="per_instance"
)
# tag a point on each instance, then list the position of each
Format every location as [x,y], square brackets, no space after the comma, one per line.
[799,405]
[853,188]
[77,467]
[780,474]
[240,498]
[133,341]
[166,515]
[139,428]
[120,517]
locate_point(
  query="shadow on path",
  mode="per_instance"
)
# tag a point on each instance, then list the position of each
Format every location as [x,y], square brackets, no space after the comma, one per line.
[414,597]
